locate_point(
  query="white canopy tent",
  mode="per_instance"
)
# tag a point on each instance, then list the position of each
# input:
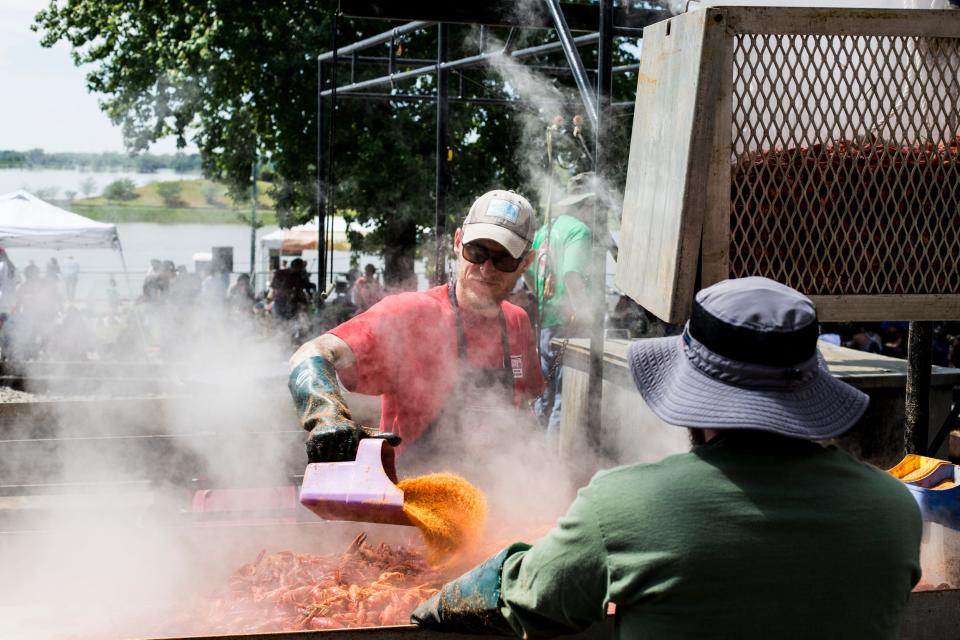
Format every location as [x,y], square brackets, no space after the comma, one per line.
[28,221]
[299,238]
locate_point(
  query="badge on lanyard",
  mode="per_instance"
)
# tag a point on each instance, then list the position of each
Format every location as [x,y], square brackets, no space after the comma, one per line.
[516,363]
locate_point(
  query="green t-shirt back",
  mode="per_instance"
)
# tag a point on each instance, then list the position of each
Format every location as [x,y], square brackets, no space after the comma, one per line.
[567,252]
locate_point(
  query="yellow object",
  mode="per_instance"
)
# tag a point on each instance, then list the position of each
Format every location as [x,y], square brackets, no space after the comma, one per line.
[914,467]
[448,510]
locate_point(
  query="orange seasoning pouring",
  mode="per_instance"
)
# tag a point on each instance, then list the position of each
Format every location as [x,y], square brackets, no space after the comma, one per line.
[449,511]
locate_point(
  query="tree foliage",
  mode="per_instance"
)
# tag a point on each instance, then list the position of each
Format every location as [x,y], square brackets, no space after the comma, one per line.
[170,193]
[240,80]
[121,190]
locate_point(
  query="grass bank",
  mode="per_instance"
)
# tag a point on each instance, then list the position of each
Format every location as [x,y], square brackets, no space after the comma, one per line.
[200,202]
[164,215]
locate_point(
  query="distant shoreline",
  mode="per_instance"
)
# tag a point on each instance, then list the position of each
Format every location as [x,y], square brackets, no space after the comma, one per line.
[170,215]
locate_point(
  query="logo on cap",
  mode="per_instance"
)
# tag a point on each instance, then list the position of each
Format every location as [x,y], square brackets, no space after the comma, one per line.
[505,209]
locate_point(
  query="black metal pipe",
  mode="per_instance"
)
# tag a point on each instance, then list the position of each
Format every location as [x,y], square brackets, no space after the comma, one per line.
[382,38]
[443,90]
[331,165]
[386,60]
[321,196]
[573,59]
[431,97]
[599,248]
[426,61]
[917,406]
[463,62]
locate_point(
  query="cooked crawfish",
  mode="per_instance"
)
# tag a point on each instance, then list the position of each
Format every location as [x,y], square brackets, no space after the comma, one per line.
[285,591]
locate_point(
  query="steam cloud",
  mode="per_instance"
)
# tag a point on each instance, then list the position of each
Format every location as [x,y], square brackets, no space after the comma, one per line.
[85,568]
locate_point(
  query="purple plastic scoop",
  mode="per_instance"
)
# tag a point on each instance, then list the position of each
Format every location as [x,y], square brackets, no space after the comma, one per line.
[363,490]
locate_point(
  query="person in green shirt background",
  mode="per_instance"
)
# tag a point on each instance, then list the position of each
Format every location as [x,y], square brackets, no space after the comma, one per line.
[558,278]
[760,531]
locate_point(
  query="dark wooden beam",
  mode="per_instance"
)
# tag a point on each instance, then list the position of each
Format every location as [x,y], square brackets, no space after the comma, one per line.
[580,17]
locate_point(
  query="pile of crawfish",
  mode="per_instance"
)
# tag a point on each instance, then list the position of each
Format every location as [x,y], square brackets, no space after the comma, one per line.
[365,586]
[849,217]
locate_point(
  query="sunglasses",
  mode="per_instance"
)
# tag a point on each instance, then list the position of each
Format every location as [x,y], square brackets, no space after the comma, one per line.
[501,260]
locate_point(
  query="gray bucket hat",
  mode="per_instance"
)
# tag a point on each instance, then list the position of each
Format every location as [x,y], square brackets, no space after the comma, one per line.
[581,187]
[747,359]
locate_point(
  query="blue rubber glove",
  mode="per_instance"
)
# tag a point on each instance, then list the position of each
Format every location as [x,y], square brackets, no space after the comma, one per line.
[471,603]
[334,436]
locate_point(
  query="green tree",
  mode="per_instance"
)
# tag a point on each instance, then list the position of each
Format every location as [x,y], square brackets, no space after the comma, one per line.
[211,195]
[170,193]
[241,81]
[88,186]
[121,190]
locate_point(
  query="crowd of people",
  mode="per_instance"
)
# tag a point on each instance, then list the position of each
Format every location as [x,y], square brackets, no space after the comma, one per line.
[288,304]
[38,313]
[890,338]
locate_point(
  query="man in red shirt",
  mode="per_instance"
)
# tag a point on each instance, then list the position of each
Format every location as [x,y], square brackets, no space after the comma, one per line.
[440,359]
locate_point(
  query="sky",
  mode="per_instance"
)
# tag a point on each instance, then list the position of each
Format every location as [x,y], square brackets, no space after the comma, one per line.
[44,101]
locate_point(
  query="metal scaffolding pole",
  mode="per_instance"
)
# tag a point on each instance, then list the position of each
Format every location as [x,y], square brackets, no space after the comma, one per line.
[413,97]
[443,82]
[331,182]
[919,365]
[599,252]
[382,38]
[391,63]
[321,195]
[458,64]
[568,43]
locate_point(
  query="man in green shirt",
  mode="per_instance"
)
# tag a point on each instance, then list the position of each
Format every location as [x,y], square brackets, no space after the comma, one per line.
[559,278]
[758,532]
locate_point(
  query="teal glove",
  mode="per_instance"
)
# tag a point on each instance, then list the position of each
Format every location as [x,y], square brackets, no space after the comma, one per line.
[334,436]
[471,603]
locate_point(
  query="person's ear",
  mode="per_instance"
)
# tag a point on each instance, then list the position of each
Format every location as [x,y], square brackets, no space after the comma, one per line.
[458,239]
[527,260]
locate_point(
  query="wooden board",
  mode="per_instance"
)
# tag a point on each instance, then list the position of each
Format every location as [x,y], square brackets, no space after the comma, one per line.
[661,227]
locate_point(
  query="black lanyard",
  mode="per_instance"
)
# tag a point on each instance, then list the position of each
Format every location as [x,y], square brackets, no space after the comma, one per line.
[462,337]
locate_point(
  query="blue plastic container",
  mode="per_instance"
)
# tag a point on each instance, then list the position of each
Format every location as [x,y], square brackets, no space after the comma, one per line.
[935,485]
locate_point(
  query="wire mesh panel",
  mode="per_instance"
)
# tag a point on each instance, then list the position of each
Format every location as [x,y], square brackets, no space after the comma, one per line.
[845,176]
[818,147]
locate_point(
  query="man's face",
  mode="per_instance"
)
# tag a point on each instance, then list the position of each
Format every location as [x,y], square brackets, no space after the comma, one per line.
[483,286]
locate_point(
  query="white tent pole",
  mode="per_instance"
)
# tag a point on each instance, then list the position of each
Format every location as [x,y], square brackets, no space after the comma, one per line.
[136,311]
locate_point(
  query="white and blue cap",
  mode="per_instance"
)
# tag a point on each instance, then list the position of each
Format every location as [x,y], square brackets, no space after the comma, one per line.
[505,217]
[747,359]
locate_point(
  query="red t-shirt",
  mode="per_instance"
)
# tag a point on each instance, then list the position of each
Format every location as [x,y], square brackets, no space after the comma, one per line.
[406,349]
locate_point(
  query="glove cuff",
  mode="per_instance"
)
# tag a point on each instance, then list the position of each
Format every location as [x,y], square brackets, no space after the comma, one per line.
[314,376]
[471,603]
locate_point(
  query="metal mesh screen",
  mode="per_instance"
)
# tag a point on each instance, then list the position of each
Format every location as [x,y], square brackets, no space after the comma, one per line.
[845,176]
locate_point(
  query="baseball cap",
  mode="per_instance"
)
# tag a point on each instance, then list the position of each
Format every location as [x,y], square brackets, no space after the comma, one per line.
[505,217]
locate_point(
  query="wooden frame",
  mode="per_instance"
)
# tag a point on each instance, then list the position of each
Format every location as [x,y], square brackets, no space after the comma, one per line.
[675,232]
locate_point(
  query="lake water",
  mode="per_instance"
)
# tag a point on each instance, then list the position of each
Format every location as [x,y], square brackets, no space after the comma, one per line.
[54,183]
